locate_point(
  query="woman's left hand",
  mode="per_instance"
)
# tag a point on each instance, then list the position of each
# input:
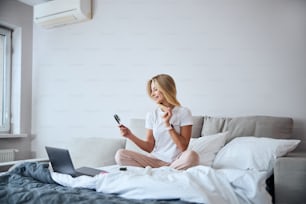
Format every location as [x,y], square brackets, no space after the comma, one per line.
[167,115]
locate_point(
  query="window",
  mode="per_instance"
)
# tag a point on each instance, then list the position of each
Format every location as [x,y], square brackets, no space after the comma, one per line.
[5,79]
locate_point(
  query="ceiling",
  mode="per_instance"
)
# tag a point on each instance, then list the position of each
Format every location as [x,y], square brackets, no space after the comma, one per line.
[32,2]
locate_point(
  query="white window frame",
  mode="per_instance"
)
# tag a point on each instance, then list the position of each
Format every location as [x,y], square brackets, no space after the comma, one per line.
[5,79]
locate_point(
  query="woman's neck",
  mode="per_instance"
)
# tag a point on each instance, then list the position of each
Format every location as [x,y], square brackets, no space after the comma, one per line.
[164,107]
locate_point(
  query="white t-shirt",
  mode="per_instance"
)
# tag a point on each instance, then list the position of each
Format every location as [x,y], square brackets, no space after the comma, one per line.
[165,149]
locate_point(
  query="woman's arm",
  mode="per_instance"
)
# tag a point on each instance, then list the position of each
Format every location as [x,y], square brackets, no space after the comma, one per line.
[146,145]
[181,140]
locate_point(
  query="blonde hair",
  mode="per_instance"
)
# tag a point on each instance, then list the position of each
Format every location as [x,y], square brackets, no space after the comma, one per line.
[166,85]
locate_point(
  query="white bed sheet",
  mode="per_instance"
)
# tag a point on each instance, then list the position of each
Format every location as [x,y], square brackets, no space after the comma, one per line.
[199,184]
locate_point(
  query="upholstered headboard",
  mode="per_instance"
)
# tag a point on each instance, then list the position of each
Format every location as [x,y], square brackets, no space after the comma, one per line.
[259,126]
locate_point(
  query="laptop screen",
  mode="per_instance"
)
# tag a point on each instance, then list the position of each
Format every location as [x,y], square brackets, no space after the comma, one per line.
[60,160]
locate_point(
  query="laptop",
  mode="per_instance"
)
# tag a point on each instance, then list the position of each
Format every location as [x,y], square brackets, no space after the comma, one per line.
[61,162]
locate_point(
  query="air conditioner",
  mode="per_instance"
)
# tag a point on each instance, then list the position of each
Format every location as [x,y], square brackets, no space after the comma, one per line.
[61,12]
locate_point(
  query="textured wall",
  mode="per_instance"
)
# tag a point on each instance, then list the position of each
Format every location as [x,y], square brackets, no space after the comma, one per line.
[228,59]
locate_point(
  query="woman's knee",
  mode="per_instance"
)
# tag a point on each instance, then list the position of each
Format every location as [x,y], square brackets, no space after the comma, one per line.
[192,157]
[195,157]
[119,156]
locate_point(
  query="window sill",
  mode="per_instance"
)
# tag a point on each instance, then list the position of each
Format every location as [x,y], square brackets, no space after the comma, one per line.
[9,136]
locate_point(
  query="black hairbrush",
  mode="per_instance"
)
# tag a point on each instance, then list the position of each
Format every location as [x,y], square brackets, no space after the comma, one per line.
[117,119]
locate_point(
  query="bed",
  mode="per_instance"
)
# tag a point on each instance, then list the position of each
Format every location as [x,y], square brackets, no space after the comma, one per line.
[31,182]
[231,169]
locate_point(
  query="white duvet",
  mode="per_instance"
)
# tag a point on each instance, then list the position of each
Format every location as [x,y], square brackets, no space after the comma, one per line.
[199,184]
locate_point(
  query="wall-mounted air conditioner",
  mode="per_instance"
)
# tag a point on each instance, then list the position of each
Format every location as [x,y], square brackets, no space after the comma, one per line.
[61,12]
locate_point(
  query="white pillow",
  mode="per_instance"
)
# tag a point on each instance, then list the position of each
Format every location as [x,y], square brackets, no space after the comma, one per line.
[255,153]
[207,147]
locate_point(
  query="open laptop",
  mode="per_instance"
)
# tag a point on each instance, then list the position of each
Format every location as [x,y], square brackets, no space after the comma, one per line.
[62,163]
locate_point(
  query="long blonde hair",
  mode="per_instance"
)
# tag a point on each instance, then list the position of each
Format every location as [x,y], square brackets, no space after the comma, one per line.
[166,85]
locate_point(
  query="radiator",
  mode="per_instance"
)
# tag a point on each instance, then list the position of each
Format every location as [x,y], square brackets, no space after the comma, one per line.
[7,155]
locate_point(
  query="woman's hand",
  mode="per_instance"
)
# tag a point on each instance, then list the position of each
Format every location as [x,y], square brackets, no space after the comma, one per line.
[167,115]
[125,132]
[146,145]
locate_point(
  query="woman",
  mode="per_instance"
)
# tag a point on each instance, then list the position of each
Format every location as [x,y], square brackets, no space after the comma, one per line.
[168,131]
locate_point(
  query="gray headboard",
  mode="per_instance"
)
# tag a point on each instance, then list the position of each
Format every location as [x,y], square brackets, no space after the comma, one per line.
[259,126]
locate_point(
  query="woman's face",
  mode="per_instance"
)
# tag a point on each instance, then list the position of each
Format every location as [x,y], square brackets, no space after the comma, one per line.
[156,94]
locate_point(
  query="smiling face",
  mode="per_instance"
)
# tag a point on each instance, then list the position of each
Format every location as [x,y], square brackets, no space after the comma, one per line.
[156,94]
[161,88]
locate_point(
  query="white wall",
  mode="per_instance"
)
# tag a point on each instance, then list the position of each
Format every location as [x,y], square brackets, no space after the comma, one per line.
[229,58]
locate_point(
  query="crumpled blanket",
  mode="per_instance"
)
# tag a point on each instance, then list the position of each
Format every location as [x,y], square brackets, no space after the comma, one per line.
[200,184]
[38,171]
[31,182]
